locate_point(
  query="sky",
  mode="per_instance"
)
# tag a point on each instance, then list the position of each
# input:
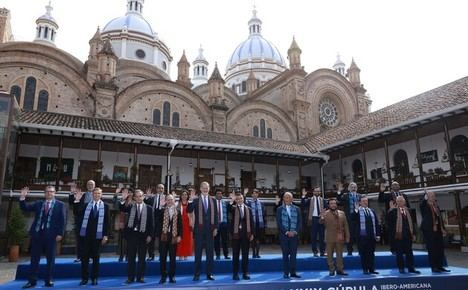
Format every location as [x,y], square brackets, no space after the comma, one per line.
[403,47]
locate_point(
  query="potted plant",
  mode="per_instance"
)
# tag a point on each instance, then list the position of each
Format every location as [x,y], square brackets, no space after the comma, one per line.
[16,232]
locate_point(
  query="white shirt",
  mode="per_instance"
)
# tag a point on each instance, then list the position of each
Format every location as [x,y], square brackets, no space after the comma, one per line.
[314,200]
[241,209]
[220,210]
[288,209]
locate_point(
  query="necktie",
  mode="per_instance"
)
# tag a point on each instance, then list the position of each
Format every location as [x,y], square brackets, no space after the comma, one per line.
[219,211]
[257,222]
[241,211]
[139,210]
[95,209]
[205,201]
[157,200]
[317,205]
[46,209]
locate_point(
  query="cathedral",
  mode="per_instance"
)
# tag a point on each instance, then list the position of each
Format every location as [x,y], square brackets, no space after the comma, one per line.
[265,123]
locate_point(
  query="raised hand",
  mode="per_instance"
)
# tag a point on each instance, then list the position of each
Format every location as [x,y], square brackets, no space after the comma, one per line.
[246,190]
[382,187]
[192,194]
[340,187]
[277,199]
[24,193]
[118,189]
[125,194]
[78,194]
[232,196]
[73,188]
[304,192]
[149,192]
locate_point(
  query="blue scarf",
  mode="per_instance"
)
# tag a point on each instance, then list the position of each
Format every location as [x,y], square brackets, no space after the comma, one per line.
[286,220]
[353,199]
[100,224]
[257,206]
[362,221]
[49,215]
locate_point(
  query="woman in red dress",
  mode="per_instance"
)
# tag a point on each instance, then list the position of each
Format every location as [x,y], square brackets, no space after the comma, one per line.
[185,247]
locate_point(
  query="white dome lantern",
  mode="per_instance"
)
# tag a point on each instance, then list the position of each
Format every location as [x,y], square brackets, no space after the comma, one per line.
[255,54]
[132,37]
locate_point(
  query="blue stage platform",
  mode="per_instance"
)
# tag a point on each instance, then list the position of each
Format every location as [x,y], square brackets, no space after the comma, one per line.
[265,274]
[110,267]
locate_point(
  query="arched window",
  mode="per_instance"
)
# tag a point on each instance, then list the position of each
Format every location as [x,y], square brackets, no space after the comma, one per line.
[29,94]
[255,131]
[357,170]
[459,151]
[244,87]
[156,117]
[166,114]
[269,133]
[262,128]
[43,101]
[400,160]
[175,120]
[16,92]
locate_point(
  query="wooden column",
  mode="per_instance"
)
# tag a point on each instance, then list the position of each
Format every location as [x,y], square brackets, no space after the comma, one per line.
[277,176]
[253,175]
[364,168]
[387,161]
[341,167]
[59,164]
[17,150]
[100,166]
[461,222]
[135,166]
[198,171]
[449,152]
[226,174]
[418,158]
[299,165]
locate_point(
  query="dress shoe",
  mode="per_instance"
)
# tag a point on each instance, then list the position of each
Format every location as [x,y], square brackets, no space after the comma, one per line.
[402,271]
[218,258]
[172,280]
[196,278]
[350,253]
[235,277]
[76,261]
[141,280]
[49,284]
[294,275]
[210,277]
[374,272]
[414,271]
[258,257]
[128,281]
[341,273]
[435,270]
[162,280]
[246,277]
[83,282]
[316,254]
[29,285]
[365,272]
[286,276]
[442,269]
[150,259]
[94,282]
[227,258]
[331,273]
[322,255]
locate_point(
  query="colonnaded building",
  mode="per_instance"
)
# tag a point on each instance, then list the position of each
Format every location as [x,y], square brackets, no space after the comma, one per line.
[265,123]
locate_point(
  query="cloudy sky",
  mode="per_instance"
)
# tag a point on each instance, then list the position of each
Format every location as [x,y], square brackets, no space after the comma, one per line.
[403,47]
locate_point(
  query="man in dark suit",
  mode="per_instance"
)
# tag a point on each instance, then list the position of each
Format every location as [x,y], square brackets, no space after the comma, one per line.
[313,207]
[433,229]
[46,229]
[289,222]
[139,231]
[221,239]
[242,227]
[94,231]
[401,227]
[205,228]
[350,202]
[367,223]
[259,221]
[86,197]
[389,198]
[169,232]
[156,201]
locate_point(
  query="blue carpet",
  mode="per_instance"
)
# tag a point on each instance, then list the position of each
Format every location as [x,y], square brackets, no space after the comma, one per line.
[110,267]
[311,280]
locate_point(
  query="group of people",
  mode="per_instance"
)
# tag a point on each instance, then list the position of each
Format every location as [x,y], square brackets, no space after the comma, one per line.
[203,222]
